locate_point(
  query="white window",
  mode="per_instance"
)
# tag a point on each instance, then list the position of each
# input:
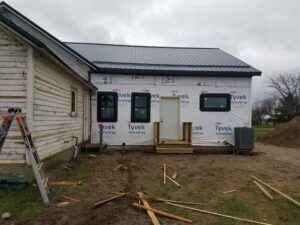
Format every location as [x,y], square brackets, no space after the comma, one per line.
[73,102]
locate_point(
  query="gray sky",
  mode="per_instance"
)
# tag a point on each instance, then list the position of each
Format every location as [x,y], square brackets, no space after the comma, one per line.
[263,33]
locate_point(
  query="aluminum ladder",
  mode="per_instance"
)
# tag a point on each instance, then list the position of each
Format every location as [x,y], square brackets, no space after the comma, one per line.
[35,161]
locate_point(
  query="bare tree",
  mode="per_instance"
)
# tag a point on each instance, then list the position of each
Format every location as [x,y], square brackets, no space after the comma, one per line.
[287,86]
[258,113]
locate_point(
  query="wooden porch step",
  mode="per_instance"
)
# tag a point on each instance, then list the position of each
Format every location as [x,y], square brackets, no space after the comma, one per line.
[175,142]
[174,150]
[173,145]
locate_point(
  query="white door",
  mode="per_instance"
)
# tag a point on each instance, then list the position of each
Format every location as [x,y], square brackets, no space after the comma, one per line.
[86,116]
[169,118]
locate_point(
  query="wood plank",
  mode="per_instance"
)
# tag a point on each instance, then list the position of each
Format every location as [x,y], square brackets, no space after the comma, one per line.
[175,150]
[162,213]
[152,216]
[267,194]
[218,214]
[293,201]
[109,199]
[64,183]
[172,180]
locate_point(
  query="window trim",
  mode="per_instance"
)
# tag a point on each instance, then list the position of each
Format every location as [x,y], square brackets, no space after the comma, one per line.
[148,106]
[225,95]
[74,113]
[115,101]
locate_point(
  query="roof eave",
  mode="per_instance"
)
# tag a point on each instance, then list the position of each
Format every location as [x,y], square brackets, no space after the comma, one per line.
[60,43]
[40,45]
[177,72]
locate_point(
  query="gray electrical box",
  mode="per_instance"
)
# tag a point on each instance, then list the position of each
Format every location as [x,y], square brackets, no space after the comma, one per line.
[244,138]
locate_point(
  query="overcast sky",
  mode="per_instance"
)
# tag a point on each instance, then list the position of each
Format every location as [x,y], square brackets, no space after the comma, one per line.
[263,33]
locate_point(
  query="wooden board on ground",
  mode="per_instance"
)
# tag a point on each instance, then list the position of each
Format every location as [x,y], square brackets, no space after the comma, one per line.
[218,214]
[150,213]
[64,183]
[267,194]
[107,200]
[278,192]
[163,213]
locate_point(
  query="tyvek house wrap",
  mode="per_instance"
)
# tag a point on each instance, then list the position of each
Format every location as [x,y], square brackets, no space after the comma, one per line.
[208,128]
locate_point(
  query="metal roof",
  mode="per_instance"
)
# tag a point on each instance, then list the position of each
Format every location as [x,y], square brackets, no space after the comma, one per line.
[163,60]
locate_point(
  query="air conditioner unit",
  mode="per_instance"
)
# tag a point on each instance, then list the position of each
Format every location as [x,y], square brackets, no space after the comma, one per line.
[244,138]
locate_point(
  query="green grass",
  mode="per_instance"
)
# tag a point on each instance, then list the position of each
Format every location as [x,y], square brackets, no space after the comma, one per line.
[27,203]
[262,130]
[22,204]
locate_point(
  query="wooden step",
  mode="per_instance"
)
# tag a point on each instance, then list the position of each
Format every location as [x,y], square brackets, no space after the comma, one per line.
[174,142]
[173,146]
[174,150]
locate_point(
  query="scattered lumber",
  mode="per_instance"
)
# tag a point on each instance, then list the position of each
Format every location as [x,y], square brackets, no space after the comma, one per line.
[218,214]
[62,204]
[109,199]
[230,191]
[267,194]
[72,199]
[118,167]
[163,213]
[173,201]
[64,183]
[172,180]
[92,155]
[165,171]
[150,213]
[293,201]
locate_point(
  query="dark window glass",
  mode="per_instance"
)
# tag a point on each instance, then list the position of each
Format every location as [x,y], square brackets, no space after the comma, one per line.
[140,107]
[73,101]
[215,102]
[107,106]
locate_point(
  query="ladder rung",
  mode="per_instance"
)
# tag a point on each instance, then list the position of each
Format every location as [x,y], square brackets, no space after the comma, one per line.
[46,182]
[40,166]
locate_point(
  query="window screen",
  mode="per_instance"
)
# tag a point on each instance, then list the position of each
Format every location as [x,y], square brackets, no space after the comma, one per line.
[107,106]
[215,102]
[140,107]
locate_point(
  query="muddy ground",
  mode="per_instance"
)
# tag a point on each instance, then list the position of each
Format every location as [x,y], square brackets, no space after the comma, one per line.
[203,178]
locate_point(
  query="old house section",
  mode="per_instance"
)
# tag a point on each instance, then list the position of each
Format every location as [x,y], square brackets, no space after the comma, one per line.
[13,87]
[54,97]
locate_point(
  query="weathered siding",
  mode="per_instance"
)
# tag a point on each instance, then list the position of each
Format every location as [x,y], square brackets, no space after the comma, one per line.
[53,126]
[79,67]
[13,73]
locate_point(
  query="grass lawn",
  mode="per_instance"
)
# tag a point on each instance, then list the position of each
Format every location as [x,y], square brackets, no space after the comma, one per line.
[263,130]
[27,203]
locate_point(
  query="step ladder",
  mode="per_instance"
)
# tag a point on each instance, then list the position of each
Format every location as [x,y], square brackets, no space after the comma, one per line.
[35,161]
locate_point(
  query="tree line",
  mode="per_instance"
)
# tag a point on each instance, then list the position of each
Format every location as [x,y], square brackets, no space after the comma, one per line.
[283,104]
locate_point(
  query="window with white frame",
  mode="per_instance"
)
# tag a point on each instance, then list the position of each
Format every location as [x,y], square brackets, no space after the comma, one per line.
[73,102]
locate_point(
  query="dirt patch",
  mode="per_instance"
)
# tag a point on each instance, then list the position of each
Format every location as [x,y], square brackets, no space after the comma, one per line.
[203,179]
[287,135]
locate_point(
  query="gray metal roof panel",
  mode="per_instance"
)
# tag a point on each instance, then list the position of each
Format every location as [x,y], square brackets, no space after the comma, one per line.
[155,55]
[161,58]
